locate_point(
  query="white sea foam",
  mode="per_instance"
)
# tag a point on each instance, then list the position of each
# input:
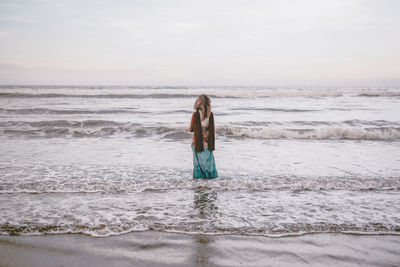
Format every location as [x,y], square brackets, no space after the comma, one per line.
[202,211]
[110,160]
[102,128]
[323,133]
[95,179]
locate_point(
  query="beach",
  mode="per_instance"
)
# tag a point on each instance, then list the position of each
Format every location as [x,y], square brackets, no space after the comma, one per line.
[152,248]
[100,176]
[199,133]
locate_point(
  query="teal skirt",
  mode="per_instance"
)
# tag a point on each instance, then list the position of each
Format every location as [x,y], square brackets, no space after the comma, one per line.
[204,164]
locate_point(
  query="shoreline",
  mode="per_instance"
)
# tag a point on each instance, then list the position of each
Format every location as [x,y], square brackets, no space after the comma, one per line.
[283,235]
[154,248]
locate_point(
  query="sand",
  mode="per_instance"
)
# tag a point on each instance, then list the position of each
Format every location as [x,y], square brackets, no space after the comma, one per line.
[153,248]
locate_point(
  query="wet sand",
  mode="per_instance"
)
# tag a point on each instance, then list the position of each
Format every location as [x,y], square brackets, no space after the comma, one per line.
[153,248]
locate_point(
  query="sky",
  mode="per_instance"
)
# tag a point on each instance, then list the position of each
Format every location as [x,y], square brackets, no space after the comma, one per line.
[315,43]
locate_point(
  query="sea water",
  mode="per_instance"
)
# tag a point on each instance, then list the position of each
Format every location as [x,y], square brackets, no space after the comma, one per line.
[104,160]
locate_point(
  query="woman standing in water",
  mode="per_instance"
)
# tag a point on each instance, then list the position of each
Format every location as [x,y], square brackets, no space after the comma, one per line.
[203,142]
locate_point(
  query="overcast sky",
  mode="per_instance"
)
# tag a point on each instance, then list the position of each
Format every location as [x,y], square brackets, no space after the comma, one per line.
[204,42]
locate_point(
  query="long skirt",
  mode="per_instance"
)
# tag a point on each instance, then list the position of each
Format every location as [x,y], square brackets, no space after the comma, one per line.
[204,164]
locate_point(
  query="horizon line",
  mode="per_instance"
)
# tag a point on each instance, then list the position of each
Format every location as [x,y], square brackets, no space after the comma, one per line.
[209,85]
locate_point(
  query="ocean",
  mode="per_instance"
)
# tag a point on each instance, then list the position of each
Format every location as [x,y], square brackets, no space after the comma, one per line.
[104,160]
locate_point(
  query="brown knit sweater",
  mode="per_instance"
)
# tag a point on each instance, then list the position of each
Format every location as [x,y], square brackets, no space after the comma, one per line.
[195,127]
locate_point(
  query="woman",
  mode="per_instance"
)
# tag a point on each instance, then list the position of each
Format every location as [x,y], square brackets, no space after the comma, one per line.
[203,142]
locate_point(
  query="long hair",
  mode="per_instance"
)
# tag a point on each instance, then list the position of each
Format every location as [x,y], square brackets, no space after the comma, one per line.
[211,133]
[198,134]
[203,105]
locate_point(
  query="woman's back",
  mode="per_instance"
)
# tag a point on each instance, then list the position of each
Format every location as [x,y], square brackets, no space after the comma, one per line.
[203,142]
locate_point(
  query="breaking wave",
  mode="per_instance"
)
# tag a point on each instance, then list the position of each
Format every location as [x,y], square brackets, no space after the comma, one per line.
[323,133]
[347,130]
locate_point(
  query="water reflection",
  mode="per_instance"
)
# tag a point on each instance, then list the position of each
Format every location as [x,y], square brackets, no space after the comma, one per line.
[203,250]
[205,204]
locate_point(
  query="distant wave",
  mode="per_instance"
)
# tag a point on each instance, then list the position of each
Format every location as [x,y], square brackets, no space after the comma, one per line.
[27,95]
[188,92]
[296,109]
[44,111]
[28,111]
[278,109]
[45,125]
[359,130]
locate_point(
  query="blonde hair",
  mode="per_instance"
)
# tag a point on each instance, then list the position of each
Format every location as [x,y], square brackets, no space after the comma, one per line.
[203,105]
